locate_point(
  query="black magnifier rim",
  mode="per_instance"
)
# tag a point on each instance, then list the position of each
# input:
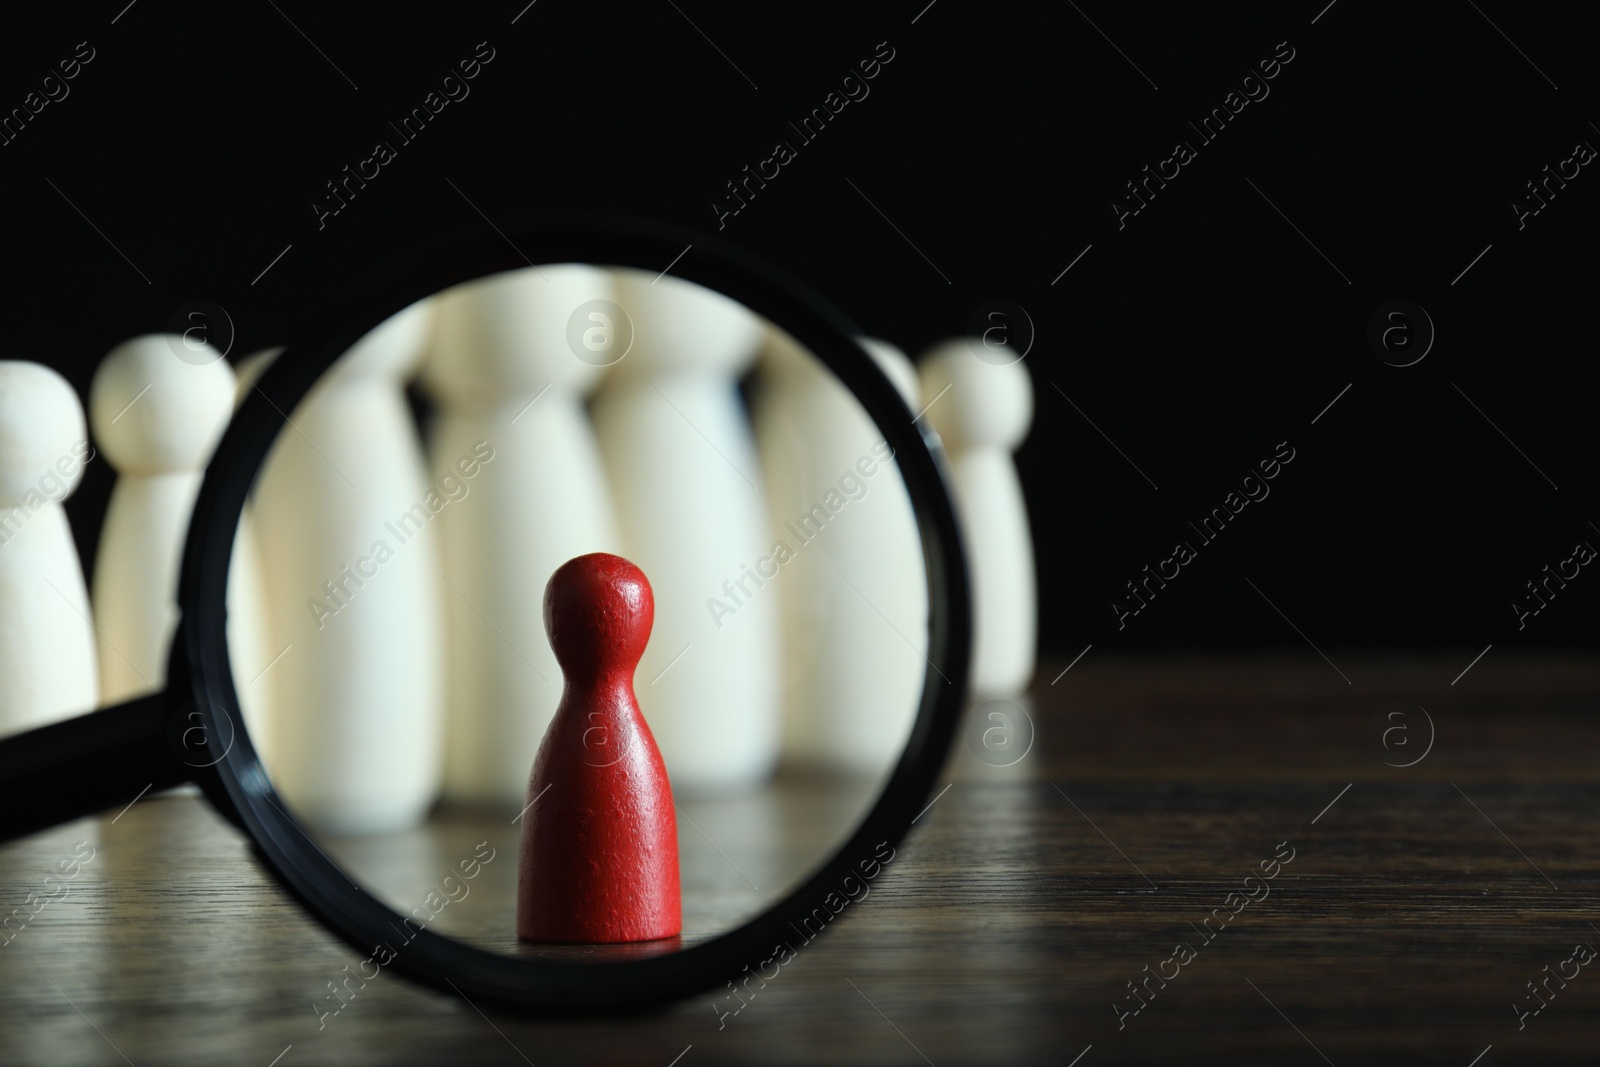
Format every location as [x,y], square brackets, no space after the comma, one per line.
[322,887]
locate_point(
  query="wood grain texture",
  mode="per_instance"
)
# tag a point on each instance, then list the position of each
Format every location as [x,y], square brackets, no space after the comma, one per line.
[1414,911]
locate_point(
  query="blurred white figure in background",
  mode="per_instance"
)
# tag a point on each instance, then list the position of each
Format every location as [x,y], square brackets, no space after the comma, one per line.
[157,417]
[854,596]
[503,370]
[344,516]
[47,653]
[982,412]
[686,482]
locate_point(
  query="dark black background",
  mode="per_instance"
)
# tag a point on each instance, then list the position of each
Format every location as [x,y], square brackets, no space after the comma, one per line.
[1196,338]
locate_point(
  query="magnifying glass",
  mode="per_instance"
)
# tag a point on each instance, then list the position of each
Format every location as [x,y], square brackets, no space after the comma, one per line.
[593,386]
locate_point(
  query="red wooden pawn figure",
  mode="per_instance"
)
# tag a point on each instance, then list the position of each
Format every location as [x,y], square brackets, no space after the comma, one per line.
[599,858]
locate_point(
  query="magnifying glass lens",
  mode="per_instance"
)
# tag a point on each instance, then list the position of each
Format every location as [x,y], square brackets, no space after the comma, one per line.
[392,570]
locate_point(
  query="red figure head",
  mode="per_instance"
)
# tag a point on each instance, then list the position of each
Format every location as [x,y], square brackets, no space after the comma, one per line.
[598,610]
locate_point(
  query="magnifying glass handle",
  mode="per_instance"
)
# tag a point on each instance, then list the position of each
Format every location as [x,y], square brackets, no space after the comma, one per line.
[81,766]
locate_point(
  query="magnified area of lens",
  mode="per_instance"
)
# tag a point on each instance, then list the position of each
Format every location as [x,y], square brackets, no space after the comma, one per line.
[740,607]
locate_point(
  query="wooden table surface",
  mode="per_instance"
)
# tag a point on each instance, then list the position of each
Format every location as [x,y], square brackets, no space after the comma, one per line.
[1419,903]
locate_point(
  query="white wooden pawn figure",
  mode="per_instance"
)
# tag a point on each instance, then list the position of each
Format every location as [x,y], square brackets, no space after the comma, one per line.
[686,481]
[502,372]
[47,663]
[855,598]
[982,412]
[157,418]
[343,516]
[159,445]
